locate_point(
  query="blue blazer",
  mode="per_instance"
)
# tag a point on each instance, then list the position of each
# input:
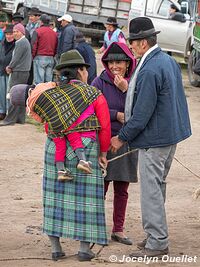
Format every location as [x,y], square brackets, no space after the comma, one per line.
[160,114]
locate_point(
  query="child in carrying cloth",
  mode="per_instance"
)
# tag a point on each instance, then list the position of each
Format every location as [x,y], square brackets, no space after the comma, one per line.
[51,104]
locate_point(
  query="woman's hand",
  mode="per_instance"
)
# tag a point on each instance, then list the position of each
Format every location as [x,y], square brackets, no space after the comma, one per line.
[103,160]
[120,117]
[121,83]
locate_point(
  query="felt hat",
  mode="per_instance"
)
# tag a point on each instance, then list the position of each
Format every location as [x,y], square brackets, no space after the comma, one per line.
[9,28]
[19,27]
[141,28]
[66,17]
[71,58]
[112,21]
[34,11]
[45,18]
[17,15]
[19,94]
[115,53]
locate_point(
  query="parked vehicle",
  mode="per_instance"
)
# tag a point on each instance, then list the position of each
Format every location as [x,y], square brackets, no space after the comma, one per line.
[195,53]
[7,5]
[89,15]
[175,36]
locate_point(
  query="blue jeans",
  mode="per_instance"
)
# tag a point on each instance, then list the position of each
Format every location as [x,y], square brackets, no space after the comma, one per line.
[3,92]
[43,69]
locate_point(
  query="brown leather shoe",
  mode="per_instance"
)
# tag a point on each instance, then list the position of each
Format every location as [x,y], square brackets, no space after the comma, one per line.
[123,240]
[2,116]
[146,252]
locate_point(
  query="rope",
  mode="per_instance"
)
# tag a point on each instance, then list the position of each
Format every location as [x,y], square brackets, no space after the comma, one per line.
[185,167]
[104,172]
[122,155]
[25,258]
[48,259]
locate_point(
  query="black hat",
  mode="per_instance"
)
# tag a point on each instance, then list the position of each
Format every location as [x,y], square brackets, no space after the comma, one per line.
[140,28]
[112,21]
[115,53]
[17,15]
[45,18]
[173,6]
[9,28]
[34,11]
[71,58]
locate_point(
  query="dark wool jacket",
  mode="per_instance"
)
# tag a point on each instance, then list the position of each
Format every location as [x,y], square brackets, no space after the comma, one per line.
[6,49]
[115,97]
[89,56]
[66,39]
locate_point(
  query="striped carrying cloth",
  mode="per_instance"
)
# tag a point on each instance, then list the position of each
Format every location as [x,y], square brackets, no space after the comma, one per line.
[74,209]
[61,106]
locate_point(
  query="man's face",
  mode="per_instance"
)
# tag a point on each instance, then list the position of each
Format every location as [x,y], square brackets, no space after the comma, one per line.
[33,18]
[2,24]
[9,36]
[64,23]
[138,47]
[17,34]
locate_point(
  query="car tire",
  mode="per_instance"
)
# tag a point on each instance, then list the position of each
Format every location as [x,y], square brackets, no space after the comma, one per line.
[194,79]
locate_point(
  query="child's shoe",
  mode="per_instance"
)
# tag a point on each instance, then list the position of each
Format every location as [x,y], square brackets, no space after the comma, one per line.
[85,166]
[64,175]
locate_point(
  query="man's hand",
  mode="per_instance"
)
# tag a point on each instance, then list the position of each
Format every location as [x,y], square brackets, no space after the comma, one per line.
[116,144]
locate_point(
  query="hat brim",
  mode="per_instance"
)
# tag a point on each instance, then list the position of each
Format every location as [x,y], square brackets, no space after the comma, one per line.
[17,17]
[64,65]
[110,23]
[142,36]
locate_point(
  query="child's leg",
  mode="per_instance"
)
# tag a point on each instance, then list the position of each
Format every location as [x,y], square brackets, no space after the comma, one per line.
[78,147]
[63,173]
[60,144]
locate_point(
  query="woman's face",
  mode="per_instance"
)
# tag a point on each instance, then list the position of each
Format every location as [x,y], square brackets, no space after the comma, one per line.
[118,67]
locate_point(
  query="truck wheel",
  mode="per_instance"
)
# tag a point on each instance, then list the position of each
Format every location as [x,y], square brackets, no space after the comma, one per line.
[194,79]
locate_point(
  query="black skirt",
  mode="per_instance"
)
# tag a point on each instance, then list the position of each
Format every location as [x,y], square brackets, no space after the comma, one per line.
[123,169]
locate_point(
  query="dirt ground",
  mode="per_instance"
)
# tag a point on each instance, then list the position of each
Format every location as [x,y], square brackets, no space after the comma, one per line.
[22,242]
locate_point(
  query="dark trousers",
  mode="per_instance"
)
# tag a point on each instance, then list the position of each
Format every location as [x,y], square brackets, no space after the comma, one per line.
[119,203]
[16,114]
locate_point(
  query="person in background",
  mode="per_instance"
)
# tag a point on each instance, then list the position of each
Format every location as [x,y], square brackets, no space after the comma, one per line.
[18,18]
[3,22]
[7,46]
[18,70]
[44,45]
[88,54]
[66,39]
[175,14]
[112,34]
[34,20]
[119,64]
[156,119]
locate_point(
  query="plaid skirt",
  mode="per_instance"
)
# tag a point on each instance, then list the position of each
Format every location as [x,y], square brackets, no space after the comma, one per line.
[74,209]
